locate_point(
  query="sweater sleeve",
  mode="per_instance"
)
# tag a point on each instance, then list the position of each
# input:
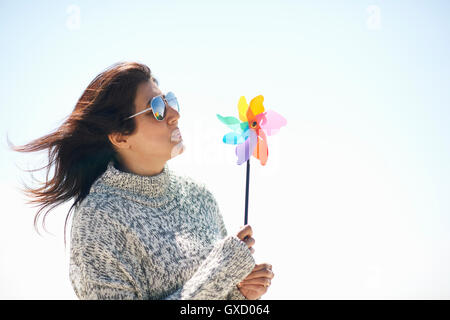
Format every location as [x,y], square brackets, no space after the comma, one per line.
[234,293]
[106,264]
[228,263]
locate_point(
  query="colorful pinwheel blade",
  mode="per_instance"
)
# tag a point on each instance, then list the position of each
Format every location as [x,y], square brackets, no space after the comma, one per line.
[256,105]
[250,115]
[261,150]
[242,109]
[259,118]
[231,122]
[245,150]
[244,126]
[234,138]
[272,122]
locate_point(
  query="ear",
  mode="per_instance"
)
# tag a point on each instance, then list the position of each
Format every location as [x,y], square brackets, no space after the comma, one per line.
[119,140]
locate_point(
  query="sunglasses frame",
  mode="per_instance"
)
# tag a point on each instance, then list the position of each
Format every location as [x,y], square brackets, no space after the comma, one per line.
[166,103]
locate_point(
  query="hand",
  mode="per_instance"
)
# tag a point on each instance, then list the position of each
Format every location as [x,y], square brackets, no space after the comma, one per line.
[257,282]
[245,234]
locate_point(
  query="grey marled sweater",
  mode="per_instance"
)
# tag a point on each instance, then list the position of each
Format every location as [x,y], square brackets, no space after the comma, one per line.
[153,237]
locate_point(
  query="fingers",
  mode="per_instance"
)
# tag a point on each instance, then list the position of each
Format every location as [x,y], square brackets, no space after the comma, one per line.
[246,231]
[249,241]
[257,282]
[260,290]
[262,266]
[245,234]
[262,273]
[265,282]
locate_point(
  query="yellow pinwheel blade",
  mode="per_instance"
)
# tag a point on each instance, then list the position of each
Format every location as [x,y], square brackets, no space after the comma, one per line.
[242,108]
[257,105]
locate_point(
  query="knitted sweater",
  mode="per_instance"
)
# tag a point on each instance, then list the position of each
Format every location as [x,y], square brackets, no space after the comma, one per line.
[153,237]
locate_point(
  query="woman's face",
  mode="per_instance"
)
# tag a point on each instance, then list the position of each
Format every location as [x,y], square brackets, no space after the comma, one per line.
[153,142]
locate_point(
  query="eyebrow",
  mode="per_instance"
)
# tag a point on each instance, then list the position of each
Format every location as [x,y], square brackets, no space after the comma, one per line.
[157,83]
[149,100]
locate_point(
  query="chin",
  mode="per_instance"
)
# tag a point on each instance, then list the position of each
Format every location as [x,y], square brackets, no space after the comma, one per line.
[177,149]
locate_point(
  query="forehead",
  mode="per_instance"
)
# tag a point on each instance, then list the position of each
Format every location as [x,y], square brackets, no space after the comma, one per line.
[145,93]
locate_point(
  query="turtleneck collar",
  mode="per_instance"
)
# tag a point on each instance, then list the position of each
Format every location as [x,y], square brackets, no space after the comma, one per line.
[154,186]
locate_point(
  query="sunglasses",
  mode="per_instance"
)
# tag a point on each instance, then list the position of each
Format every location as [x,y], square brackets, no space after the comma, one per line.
[158,106]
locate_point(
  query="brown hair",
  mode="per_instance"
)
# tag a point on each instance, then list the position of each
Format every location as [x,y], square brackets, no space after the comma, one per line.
[80,149]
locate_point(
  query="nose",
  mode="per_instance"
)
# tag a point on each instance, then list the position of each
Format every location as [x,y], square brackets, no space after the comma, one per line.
[172,114]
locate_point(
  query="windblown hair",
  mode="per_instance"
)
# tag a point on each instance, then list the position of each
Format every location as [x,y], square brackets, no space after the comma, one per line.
[80,149]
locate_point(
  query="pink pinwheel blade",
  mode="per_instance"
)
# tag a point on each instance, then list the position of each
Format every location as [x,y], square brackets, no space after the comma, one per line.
[245,150]
[272,122]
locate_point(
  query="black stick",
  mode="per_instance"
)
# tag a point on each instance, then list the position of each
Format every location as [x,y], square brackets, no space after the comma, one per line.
[246,192]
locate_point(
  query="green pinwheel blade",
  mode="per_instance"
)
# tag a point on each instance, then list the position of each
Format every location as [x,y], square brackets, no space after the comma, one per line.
[244,126]
[232,123]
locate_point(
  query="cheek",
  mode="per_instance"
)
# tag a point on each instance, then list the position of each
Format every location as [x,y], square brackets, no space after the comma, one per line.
[153,135]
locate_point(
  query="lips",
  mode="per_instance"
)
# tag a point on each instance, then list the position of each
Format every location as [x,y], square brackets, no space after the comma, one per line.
[177,149]
[176,135]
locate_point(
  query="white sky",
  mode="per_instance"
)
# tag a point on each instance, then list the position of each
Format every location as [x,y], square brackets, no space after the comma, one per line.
[353,202]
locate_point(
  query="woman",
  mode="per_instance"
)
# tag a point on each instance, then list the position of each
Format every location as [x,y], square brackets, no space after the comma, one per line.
[140,231]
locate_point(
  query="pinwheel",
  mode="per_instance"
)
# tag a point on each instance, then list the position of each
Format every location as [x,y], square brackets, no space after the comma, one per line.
[250,133]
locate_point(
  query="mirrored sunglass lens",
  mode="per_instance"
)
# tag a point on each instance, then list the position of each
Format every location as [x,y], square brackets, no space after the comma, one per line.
[174,104]
[158,108]
[170,95]
[172,101]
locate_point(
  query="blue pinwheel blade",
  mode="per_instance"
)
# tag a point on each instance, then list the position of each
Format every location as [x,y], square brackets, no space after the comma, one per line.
[234,138]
